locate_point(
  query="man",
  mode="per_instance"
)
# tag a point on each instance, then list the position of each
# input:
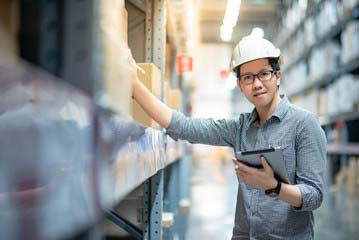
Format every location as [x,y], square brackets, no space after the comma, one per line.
[266,208]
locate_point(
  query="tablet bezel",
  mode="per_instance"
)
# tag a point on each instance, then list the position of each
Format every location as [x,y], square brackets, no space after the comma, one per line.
[274,158]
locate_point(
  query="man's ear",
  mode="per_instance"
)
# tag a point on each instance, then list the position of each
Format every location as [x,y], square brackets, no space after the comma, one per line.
[239,85]
[278,75]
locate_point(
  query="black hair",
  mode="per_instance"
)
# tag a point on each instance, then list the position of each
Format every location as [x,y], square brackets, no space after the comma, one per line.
[274,62]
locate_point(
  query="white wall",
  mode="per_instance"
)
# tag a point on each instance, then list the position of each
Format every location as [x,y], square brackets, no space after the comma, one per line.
[211,98]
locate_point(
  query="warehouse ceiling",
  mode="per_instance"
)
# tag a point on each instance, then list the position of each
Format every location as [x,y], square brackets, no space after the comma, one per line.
[253,13]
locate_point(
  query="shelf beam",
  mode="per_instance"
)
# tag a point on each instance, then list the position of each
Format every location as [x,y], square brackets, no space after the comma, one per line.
[346,149]
[332,33]
[327,120]
[124,224]
[347,68]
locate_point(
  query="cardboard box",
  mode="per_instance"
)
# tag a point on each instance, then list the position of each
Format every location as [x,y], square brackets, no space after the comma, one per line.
[323,103]
[168,63]
[152,78]
[125,26]
[152,81]
[142,117]
[352,184]
[9,29]
[116,72]
[175,99]
[167,92]
[114,20]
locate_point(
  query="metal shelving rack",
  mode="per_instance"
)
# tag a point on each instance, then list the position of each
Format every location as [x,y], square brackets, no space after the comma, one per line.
[347,143]
[123,171]
[341,129]
[351,66]
[334,32]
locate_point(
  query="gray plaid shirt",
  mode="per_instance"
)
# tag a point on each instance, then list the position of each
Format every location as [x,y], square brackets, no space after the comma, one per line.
[290,128]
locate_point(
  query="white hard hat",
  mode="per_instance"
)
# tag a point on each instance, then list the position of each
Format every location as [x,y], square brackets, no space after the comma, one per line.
[251,48]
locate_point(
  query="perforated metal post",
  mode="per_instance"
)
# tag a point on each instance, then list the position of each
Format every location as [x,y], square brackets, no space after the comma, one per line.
[185,174]
[81,46]
[149,31]
[171,198]
[39,33]
[159,39]
[155,52]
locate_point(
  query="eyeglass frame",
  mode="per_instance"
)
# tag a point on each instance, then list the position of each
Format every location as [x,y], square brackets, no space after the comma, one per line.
[272,73]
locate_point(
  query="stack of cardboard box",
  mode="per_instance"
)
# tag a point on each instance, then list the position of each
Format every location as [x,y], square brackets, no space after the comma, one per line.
[116,71]
[8,29]
[175,99]
[152,80]
[351,182]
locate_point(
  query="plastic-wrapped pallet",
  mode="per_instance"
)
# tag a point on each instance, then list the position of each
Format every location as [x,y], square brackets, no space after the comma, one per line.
[327,17]
[311,102]
[299,101]
[295,48]
[323,102]
[296,14]
[310,33]
[328,54]
[343,94]
[332,100]
[296,77]
[299,47]
[286,56]
[350,40]
[355,90]
[348,5]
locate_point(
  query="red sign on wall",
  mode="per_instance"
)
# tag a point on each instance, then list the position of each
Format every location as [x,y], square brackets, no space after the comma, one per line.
[183,63]
[223,74]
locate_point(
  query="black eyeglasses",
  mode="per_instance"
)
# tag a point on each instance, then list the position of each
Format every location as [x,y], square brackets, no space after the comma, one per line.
[248,79]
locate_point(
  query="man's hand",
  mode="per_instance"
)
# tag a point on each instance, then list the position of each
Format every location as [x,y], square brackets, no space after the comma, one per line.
[262,178]
[133,69]
[156,109]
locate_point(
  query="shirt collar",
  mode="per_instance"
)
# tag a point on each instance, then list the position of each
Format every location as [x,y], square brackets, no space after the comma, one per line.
[253,117]
[282,108]
[279,112]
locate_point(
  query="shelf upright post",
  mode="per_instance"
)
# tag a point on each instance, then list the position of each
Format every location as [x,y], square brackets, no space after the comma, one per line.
[155,52]
[39,35]
[171,199]
[149,31]
[81,53]
[185,174]
[345,139]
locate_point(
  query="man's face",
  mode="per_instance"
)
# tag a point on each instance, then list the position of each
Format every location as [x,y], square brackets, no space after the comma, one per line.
[259,92]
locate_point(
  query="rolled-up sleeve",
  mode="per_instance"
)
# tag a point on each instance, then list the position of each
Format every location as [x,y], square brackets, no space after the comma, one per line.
[205,131]
[311,159]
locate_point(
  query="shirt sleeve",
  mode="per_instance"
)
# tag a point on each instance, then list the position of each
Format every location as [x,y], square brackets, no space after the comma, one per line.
[311,158]
[205,131]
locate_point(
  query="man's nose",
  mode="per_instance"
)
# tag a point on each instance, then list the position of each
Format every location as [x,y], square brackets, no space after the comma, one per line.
[257,83]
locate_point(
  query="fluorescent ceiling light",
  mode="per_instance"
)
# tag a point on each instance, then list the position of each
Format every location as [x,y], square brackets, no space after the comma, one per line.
[230,19]
[226,33]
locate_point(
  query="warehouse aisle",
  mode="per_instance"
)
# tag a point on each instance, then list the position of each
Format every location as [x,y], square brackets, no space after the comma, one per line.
[214,189]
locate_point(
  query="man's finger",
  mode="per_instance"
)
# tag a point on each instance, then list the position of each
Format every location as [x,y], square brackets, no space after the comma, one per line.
[264,162]
[265,165]
[244,167]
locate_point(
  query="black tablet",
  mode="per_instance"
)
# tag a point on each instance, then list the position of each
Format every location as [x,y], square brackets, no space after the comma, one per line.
[274,158]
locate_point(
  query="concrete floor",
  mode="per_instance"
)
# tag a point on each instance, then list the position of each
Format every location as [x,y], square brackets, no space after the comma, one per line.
[214,190]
